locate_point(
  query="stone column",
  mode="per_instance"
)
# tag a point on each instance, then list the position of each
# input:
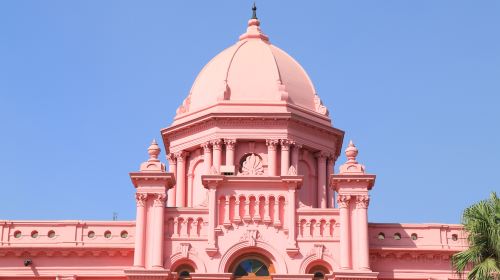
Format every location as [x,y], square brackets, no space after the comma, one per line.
[295,155]
[217,146]
[180,192]
[190,186]
[292,225]
[207,157]
[362,202]
[172,167]
[230,144]
[321,190]
[227,206]
[285,157]
[276,212]
[271,156]
[330,194]
[140,230]
[267,210]
[345,242]
[212,217]
[158,230]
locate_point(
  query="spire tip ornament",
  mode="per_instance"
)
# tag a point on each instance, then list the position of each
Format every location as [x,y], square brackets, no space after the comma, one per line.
[254,11]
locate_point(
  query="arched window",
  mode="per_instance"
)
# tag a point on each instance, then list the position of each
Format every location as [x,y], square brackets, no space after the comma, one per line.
[184,271]
[319,272]
[251,267]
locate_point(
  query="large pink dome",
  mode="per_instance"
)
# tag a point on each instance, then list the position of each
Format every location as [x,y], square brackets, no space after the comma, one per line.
[252,71]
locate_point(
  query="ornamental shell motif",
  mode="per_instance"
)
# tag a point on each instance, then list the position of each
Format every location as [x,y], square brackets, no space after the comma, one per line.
[252,166]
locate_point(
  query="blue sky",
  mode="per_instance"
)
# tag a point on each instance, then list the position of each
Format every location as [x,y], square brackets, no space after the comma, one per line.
[86,85]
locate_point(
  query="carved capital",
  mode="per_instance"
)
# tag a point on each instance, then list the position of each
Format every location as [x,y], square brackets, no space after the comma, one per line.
[271,144]
[343,200]
[181,156]
[230,143]
[159,200]
[285,144]
[206,147]
[171,158]
[140,199]
[321,155]
[362,201]
[217,144]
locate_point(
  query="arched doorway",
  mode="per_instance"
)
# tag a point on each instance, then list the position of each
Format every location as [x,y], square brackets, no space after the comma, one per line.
[252,266]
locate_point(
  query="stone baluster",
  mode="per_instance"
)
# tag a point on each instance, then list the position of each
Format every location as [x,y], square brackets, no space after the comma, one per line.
[271,156]
[267,210]
[227,210]
[276,212]
[237,217]
[246,208]
[256,217]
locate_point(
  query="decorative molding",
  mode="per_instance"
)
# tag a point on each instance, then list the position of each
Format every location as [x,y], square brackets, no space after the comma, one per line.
[292,171]
[272,144]
[362,201]
[159,200]
[320,108]
[216,144]
[251,235]
[230,144]
[343,200]
[206,147]
[181,156]
[252,166]
[140,199]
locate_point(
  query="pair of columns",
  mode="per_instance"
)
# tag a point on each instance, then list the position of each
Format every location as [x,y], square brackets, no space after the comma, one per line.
[212,153]
[325,163]
[354,206]
[272,154]
[177,165]
[212,157]
[155,258]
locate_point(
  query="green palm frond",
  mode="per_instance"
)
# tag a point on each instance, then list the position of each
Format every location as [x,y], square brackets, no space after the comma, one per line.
[482,223]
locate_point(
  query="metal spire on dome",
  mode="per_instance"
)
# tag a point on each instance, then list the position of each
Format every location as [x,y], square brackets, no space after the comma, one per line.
[254,11]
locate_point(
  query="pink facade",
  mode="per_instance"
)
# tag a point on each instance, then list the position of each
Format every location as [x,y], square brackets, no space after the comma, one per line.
[250,193]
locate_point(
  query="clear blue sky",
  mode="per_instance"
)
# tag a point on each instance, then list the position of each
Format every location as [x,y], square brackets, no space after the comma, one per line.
[86,85]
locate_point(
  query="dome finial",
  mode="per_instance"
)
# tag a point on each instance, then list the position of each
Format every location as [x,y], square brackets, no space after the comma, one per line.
[254,11]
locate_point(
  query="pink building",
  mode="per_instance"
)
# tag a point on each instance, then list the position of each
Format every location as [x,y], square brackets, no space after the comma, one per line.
[251,193]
